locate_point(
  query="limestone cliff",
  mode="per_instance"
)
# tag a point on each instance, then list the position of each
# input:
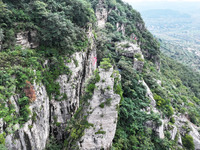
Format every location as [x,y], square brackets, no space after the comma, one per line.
[103,112]
[47,114]
[83,114]
[50,117]
[101,13]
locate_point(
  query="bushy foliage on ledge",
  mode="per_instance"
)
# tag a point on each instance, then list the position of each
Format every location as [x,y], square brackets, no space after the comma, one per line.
[59,24]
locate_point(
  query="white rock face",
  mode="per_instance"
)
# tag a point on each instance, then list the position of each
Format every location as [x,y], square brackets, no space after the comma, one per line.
[101,14]
[181,121]
[131,50]
[120,28]
[61,111]
[0,45]
[1,38]
[149,94]
[34,134]
[104,118]
[173,132]
[128,49]
[27,39]
[196,136]
[159,130]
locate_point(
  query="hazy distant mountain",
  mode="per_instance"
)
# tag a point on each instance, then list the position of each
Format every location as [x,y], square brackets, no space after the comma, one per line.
[178,30]
[184,7]
[166,13]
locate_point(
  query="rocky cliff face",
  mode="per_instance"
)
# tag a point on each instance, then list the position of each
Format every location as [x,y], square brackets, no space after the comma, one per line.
[50,117]
[103,112]
[34,133]
[179,127]
[73,87]
[27,39]
[101,14]
[133,51]
[1,38]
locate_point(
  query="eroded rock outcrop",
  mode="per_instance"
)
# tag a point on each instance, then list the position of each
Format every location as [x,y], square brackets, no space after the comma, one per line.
[27,39]
[101,13]
[182,123]
[82,68]
[131,50]
[128,49]
[35,132]
[50,117]
[158,129]
[103,114]
[1,38]
[121,28]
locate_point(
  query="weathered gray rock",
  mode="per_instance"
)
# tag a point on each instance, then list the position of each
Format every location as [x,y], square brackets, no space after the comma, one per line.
[34,134]
[173,132]
[1,37]
[51,116]
[182,121]
[0,45]
[128,49]
[61,111]
[131,50]
[27,39]
[120,28]
[101,14]
[149,94]
[158,129]
[103,118]
[159,82]
[138,64]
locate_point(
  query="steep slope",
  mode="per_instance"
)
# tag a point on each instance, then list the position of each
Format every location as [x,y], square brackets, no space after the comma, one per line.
[70,80]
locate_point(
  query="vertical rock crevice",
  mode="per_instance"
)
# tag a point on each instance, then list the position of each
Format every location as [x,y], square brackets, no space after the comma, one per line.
[102,115]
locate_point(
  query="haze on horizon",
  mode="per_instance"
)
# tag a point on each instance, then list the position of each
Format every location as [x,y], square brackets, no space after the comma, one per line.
[186,6]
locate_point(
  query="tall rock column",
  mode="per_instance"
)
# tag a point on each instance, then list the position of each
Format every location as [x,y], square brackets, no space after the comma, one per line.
[34,133]
[103,114]
[101,14]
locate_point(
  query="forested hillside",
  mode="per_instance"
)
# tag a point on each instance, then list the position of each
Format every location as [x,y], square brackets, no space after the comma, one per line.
[178,32]
[87,74]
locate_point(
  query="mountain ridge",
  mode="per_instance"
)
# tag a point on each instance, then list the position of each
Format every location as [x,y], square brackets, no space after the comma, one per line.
[88,75]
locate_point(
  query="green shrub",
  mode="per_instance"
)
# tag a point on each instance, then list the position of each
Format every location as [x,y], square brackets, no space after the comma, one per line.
[53,144]
[91,87]
[188,142]
[2,138]
[108,101]
[108,88]
[159,100]
[97,76]
[100,132]
[34,116]
[138,56]
[2,147]
[101,105]
[172,120]
[170,111]
[105,64]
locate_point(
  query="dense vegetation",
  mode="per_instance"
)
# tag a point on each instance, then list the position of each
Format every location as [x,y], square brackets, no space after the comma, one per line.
[59,23]
[61,30]
[177,31]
